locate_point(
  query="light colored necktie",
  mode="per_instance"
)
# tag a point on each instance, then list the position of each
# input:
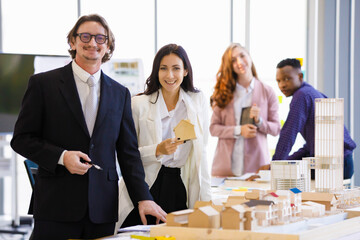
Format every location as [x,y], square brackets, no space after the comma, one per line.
[91,105]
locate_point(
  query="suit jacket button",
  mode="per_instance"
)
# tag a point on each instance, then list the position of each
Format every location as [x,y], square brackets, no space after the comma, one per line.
[92,146]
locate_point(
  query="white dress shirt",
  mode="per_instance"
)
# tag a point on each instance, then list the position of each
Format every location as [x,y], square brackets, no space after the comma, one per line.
[169,120]
[81,77]
[242,99]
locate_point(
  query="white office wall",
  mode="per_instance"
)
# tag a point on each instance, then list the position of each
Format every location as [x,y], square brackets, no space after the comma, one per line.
[277,31]
[239,21]
[29,28]
[132,23]
[202,27]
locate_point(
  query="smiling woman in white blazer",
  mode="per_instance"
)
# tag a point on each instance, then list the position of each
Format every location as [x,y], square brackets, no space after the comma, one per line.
[170,88]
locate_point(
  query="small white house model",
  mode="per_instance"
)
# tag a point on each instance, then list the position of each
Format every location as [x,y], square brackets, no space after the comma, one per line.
[265,211]
[296,201]
[283,205]
[312,209]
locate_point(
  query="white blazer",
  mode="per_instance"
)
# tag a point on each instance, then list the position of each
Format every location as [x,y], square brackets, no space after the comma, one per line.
[194,173]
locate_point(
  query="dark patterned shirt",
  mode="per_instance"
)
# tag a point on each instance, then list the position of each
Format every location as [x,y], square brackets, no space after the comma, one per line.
[301,119]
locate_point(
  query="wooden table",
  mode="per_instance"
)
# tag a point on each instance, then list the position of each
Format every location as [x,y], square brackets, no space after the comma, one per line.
[347,229]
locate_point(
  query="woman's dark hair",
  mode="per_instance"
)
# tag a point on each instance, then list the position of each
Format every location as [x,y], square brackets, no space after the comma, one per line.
[153,83]
[92,18]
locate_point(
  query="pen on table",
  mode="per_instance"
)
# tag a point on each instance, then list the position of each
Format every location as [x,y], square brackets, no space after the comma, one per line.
[93,164]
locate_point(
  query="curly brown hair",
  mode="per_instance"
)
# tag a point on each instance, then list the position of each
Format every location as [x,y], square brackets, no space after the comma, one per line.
[226,79]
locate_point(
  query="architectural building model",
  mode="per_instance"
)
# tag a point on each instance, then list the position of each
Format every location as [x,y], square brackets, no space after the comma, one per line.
[329,144]
[204,217]
[273,208]
[179,218]
[312,209]
[185,130]
[329,153]
[348,198]
[286,174]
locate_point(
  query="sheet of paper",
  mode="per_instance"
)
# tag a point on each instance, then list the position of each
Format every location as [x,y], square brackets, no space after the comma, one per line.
[137,228]
[217,181]
[243,177]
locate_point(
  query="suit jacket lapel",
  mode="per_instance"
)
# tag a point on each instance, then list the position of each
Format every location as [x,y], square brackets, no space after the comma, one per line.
[69,91]
[193,116]
[154,120]
[105,99]
[191,112]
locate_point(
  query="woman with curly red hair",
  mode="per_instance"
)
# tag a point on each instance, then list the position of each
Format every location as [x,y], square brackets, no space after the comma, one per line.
[245,110]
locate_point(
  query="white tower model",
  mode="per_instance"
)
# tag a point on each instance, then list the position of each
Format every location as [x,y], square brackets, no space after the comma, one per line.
[329,144]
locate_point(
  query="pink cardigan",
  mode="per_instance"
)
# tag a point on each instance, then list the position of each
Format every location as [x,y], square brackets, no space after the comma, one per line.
[256,149]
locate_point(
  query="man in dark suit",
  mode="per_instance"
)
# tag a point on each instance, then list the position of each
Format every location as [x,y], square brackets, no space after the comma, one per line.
[66,124]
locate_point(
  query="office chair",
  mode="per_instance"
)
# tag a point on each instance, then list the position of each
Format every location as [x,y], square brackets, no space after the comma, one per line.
[31,170]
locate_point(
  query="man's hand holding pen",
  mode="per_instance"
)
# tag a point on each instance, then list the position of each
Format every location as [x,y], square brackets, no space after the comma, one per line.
[91,163]
[77,162]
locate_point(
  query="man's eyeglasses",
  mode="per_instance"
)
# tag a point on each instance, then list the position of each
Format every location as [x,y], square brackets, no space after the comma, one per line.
[86,37]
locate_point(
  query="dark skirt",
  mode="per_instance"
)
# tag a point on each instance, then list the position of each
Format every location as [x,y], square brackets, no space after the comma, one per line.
[168,191]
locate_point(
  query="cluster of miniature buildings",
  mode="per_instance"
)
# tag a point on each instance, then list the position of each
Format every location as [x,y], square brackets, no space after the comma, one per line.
[255,209]
[252,210]
[292,198]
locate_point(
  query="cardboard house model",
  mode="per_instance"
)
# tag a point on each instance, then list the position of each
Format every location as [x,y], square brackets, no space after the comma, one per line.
[255,194]
[204,217]
[233,217]
[235,200]
[327,199]
[179,218]
[199,204]
[185,130]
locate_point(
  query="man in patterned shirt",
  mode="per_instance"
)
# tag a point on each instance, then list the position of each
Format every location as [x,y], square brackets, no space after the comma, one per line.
[301,117]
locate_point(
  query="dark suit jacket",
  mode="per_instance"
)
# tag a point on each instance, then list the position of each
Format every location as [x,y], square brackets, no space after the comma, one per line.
[51,120]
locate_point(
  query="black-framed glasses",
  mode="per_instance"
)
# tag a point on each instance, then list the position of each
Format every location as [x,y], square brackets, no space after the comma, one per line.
[86,38]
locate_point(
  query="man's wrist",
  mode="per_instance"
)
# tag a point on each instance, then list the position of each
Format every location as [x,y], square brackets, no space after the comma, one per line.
[61,159]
